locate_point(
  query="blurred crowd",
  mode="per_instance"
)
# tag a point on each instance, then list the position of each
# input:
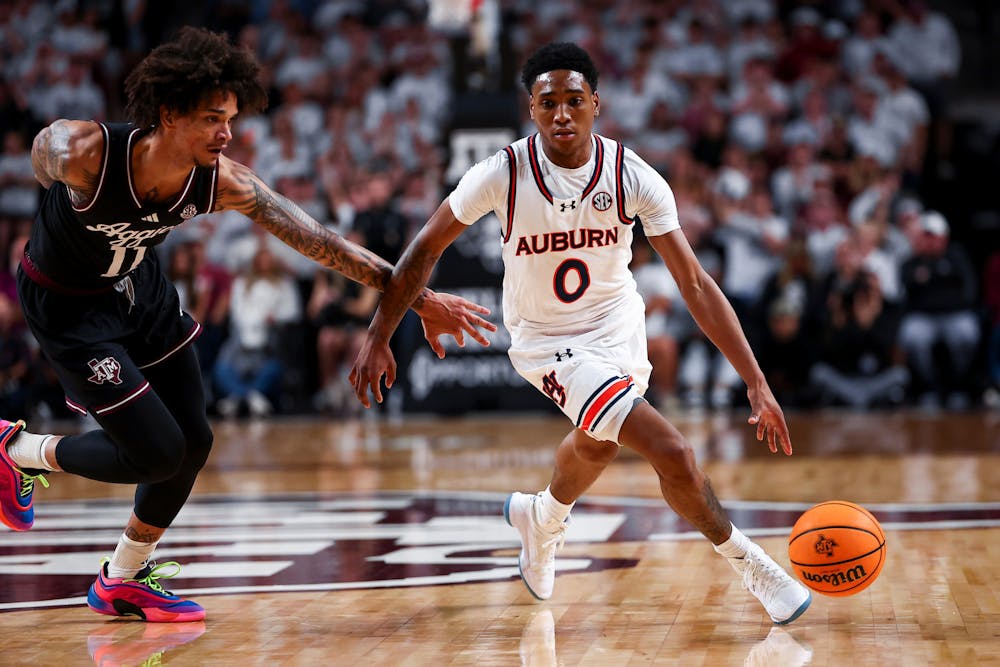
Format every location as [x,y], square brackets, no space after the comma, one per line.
[796,136]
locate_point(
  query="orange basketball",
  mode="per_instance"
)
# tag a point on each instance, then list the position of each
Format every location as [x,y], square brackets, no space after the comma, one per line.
[837,548]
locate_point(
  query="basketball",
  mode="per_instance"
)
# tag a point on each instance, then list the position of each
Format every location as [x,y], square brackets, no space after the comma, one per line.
[837,548]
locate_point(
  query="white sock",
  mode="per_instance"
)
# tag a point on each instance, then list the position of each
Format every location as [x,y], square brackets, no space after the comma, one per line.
[736,546]
[130,556]
[26,450]
[551,508]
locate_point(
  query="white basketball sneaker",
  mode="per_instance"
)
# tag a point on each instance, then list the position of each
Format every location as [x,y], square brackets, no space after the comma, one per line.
[783,598]
[539,543]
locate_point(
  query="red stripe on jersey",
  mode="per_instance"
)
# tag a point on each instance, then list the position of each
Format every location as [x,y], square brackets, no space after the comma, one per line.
[620,185]
[511,192]
[606,396]
[536,170]
[597,168]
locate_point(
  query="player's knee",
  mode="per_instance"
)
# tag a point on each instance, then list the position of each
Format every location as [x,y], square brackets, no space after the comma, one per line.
[199,444]
[153,467]
[160,459]
[674,459]
[596,452]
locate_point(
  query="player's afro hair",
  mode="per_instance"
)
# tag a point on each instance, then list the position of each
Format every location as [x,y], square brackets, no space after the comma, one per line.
[181,73]
[559,55]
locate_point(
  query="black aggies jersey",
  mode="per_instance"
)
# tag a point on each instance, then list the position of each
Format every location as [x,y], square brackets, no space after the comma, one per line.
[96,245]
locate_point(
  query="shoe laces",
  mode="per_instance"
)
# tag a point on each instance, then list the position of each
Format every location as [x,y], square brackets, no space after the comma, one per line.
[556,537]
[557,540]
[762,576]
[28,483]
[166,570]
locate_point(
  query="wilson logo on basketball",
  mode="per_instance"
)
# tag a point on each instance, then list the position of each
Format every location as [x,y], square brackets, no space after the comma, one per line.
[824,546]
[602,201]
[856,573]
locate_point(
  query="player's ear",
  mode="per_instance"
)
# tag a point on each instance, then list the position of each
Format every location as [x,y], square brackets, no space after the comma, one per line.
[531,106]
[167,116]
[597,104]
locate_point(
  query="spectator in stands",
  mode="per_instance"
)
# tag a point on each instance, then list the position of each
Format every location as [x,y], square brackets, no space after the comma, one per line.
[930,54]
[871,131]
[753,239]
[793,183]
[859,49]
[340,310]
[381,225]
[15,358]
[664,309]
[787,353]
[204,291]
[794,284]
[249,365]
[857,365]
[905,107]
[18,188]
[940,286]
[824,226]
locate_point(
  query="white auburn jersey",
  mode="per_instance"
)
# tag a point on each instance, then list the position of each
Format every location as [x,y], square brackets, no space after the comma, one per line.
[567,236]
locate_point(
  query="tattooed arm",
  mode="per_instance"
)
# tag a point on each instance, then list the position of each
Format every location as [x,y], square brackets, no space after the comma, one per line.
[242,190]
[69,151]
[409,277]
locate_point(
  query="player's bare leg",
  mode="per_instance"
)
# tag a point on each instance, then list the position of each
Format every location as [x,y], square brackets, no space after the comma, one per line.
[540,518]
[688,491]
[683,485]
[580,460]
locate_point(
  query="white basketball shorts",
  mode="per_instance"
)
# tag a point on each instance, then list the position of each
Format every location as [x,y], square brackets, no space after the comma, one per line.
[595,385]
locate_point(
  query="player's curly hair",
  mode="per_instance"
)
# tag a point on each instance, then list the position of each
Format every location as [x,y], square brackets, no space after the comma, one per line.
[180,74]
[559,55]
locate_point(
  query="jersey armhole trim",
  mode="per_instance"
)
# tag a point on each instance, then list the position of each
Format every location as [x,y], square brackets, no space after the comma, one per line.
[187,187]
[128,168]
[211,190]
[536,170]
[598,167]
[104,170]
[511,191]
[620,185]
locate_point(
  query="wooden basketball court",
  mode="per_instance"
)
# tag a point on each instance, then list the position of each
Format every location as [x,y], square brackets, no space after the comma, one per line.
[370,542]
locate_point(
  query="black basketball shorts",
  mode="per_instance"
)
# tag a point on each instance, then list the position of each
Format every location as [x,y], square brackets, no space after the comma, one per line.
[99,344]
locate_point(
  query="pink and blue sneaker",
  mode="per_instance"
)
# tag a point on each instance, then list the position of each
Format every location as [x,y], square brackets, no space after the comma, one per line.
[142,596]
[16,486]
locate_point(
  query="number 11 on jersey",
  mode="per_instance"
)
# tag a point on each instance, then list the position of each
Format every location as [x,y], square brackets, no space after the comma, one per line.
[118,261]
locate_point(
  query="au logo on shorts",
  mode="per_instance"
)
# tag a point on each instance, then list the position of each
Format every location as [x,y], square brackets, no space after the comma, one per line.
[601,201]
[106,370]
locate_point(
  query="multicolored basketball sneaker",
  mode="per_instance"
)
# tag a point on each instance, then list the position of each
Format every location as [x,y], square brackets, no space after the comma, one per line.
[16,486]
[142,596]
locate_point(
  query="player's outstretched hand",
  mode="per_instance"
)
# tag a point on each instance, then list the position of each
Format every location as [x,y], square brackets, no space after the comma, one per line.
[374,360]
[766,414]
[447,314]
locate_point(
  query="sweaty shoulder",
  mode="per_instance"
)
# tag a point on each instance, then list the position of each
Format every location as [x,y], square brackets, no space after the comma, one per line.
[70,151]
[648,196]
[482,189]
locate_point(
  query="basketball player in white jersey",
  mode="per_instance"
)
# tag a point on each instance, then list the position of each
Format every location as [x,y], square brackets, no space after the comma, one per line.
[568,200]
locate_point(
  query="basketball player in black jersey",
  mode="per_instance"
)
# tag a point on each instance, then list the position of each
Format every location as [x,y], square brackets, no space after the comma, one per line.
[110,322]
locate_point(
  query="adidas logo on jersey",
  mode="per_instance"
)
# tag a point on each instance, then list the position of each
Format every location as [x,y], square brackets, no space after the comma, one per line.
[152,217]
